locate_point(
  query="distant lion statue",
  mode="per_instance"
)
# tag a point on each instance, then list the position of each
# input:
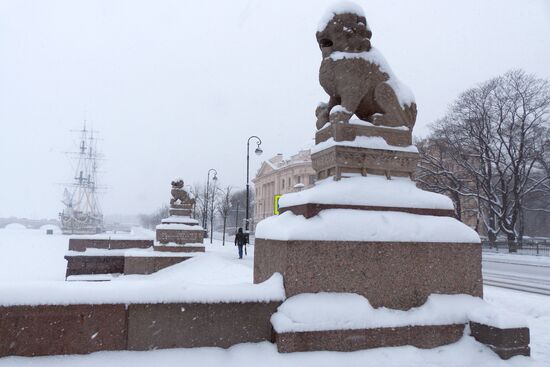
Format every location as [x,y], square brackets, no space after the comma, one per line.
[357,78]
[179,195]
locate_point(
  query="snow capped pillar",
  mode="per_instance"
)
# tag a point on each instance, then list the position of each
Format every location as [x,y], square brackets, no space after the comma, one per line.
[179,232]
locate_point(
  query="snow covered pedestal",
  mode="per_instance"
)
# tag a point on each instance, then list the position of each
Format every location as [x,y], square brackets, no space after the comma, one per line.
[384,239]
[354,148]
[388,241]
[179,232]
[390,275]
[179,237]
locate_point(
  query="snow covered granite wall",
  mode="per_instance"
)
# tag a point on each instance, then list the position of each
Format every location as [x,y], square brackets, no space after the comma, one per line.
[62,329]
[76,318]
[80,329]
[155,326]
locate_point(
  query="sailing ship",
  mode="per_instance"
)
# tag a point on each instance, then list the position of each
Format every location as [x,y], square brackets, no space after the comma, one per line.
[82,213]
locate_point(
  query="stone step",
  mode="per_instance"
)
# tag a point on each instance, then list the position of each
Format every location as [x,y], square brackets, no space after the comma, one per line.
[506,342]
[425,336]
[115,262]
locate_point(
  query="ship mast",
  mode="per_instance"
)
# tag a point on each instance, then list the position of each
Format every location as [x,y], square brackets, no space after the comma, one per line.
[82,213]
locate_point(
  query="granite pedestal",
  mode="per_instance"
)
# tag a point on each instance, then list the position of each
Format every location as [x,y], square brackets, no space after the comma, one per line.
[179,232]
[394,275]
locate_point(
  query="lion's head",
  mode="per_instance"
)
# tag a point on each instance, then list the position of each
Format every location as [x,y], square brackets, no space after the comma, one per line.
[346,32]
[177,184]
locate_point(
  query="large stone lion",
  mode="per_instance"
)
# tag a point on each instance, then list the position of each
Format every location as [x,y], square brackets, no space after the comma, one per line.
[357,78]
[179,195]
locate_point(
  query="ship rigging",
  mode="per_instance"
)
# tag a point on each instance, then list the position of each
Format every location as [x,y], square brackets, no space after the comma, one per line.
[82,213]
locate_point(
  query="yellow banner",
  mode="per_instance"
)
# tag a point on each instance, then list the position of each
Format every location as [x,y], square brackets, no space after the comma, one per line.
[276,204]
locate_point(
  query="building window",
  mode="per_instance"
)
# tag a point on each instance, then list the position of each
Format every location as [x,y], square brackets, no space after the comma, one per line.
[283,183]
[298,179]
[311,179]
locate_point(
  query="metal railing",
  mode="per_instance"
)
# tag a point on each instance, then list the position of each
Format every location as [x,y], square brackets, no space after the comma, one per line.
[528,247]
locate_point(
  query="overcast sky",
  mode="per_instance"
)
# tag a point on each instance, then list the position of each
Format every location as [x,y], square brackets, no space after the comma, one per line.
[176,87]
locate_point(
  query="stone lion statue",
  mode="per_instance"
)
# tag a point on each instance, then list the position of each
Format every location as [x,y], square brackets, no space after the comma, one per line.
[179,195]
[357,78]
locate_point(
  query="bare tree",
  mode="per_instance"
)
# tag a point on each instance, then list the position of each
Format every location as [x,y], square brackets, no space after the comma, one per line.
[238,203]
[224,208]
[436,172]
[212,200]
[150,221]
[495,140]
[198,191]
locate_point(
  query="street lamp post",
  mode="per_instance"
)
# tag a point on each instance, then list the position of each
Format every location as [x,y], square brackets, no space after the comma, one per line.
[205,216]
[212,210]
[258,151]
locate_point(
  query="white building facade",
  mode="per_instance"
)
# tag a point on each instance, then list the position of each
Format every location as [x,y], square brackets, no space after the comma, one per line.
[278,176]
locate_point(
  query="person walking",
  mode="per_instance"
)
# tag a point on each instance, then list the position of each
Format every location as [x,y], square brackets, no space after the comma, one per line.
[240,241]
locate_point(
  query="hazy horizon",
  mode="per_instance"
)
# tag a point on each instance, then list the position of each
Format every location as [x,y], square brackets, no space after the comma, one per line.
[176,88]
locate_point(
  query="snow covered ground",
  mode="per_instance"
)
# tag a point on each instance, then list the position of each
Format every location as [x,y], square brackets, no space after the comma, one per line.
[30,255]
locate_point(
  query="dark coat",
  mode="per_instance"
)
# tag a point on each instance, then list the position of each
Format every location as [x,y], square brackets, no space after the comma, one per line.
[240,239]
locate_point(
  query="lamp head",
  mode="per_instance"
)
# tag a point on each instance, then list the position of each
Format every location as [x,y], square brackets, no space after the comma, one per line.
[258,151]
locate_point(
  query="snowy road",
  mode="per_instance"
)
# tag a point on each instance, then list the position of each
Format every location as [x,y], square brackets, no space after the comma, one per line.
[524,273]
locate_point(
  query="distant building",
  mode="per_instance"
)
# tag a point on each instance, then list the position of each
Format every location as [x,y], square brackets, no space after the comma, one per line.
[278,176]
